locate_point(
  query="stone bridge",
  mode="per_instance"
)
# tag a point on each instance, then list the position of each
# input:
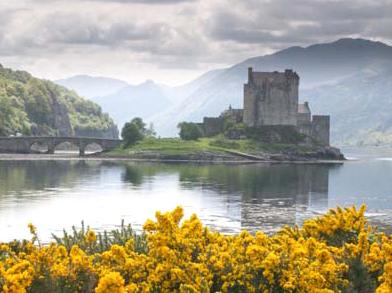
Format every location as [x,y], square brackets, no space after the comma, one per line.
[23,144]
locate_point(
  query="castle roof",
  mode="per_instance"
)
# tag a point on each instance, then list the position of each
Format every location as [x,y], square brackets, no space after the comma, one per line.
[304,108]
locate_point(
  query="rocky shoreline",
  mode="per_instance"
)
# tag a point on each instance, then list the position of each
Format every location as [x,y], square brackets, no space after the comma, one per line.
[321,155]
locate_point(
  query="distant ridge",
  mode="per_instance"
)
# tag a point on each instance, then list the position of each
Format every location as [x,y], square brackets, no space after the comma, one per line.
[92,86]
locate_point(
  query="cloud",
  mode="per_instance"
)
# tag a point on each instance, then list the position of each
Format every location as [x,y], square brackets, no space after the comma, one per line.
[300,21]
[147,2]
[66,29]
[176,36]
[144,2]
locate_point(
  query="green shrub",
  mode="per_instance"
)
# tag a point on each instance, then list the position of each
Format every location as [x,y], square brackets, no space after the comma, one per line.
[104,240]
[189,131]
[133,131]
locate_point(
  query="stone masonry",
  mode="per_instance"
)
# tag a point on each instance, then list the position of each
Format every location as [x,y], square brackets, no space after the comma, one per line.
[271,100]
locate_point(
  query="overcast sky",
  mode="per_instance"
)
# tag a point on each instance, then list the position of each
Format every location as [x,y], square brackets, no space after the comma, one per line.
[172,41]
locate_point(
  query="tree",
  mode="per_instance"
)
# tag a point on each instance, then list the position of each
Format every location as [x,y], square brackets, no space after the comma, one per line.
[133,131]
[189,131]
[139,123]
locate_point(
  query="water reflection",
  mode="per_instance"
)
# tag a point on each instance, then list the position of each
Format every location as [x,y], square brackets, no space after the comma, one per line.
[18,176]
[58,194]
[265,196]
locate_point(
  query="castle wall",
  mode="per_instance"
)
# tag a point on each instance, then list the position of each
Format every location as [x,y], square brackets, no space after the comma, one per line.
[304,123]
[305,128]
[235,115]
[271,98]
[249,105]
[321,128]
[212,126]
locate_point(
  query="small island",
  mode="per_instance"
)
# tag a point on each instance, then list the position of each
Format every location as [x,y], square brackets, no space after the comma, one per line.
[272,126]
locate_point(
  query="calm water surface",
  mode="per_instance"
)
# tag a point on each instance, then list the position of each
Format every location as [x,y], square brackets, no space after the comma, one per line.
[58,194]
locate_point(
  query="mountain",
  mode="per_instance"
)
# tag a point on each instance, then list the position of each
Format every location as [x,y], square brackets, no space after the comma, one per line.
[33,106]
[92,86]
[332,78]
[360,106]
[141,100]
[147,99]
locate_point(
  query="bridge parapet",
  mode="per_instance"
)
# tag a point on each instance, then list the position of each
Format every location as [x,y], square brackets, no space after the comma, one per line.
[23,144]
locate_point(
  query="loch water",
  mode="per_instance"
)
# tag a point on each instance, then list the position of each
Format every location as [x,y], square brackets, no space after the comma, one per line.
[56,194]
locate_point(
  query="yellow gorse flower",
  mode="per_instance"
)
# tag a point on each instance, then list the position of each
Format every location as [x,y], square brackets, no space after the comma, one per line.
[328,254]
[90,236]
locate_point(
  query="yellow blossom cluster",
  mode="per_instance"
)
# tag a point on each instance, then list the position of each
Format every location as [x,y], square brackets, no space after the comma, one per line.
[337,252]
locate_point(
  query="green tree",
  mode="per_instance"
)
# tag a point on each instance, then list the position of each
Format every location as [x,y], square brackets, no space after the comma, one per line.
[133,131]
[189,131]
[139,123]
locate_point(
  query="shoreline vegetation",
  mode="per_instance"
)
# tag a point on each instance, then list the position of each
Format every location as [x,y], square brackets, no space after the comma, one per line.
[336,252]
[220,149]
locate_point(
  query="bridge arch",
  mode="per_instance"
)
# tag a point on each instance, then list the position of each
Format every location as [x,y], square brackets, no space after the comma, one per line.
[29,144]
[65,145]
[93,147]
[38,147]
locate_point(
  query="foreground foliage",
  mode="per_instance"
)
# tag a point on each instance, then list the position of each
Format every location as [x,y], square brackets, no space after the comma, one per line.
[338,252]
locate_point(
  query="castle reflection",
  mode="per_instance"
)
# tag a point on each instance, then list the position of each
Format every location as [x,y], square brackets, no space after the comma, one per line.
[257,196]
[284,195]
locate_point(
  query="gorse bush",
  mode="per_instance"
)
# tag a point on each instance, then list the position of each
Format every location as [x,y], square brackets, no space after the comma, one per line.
[338,252]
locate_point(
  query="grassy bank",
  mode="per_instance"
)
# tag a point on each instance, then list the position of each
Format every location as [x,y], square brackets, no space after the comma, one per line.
[167,146]
[218,145]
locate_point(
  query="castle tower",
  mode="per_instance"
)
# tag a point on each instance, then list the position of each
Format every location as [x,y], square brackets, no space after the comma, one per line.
[271,98]
[321,128]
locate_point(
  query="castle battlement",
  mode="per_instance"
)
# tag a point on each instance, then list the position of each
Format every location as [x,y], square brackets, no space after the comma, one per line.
[256,78]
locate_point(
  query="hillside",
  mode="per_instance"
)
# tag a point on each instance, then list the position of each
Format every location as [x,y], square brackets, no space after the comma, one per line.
[32,106]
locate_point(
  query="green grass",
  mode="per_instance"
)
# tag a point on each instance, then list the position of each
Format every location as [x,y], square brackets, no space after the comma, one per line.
[168,146]
[219,144]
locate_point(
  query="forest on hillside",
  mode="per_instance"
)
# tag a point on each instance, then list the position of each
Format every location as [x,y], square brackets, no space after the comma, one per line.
[31,106]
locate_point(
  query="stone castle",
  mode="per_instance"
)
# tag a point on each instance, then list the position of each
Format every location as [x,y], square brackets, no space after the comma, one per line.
[271,100]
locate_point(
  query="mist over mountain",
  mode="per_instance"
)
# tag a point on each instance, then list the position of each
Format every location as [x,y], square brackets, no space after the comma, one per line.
[143,100]
[92,86]
[349,79]
[126,101]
